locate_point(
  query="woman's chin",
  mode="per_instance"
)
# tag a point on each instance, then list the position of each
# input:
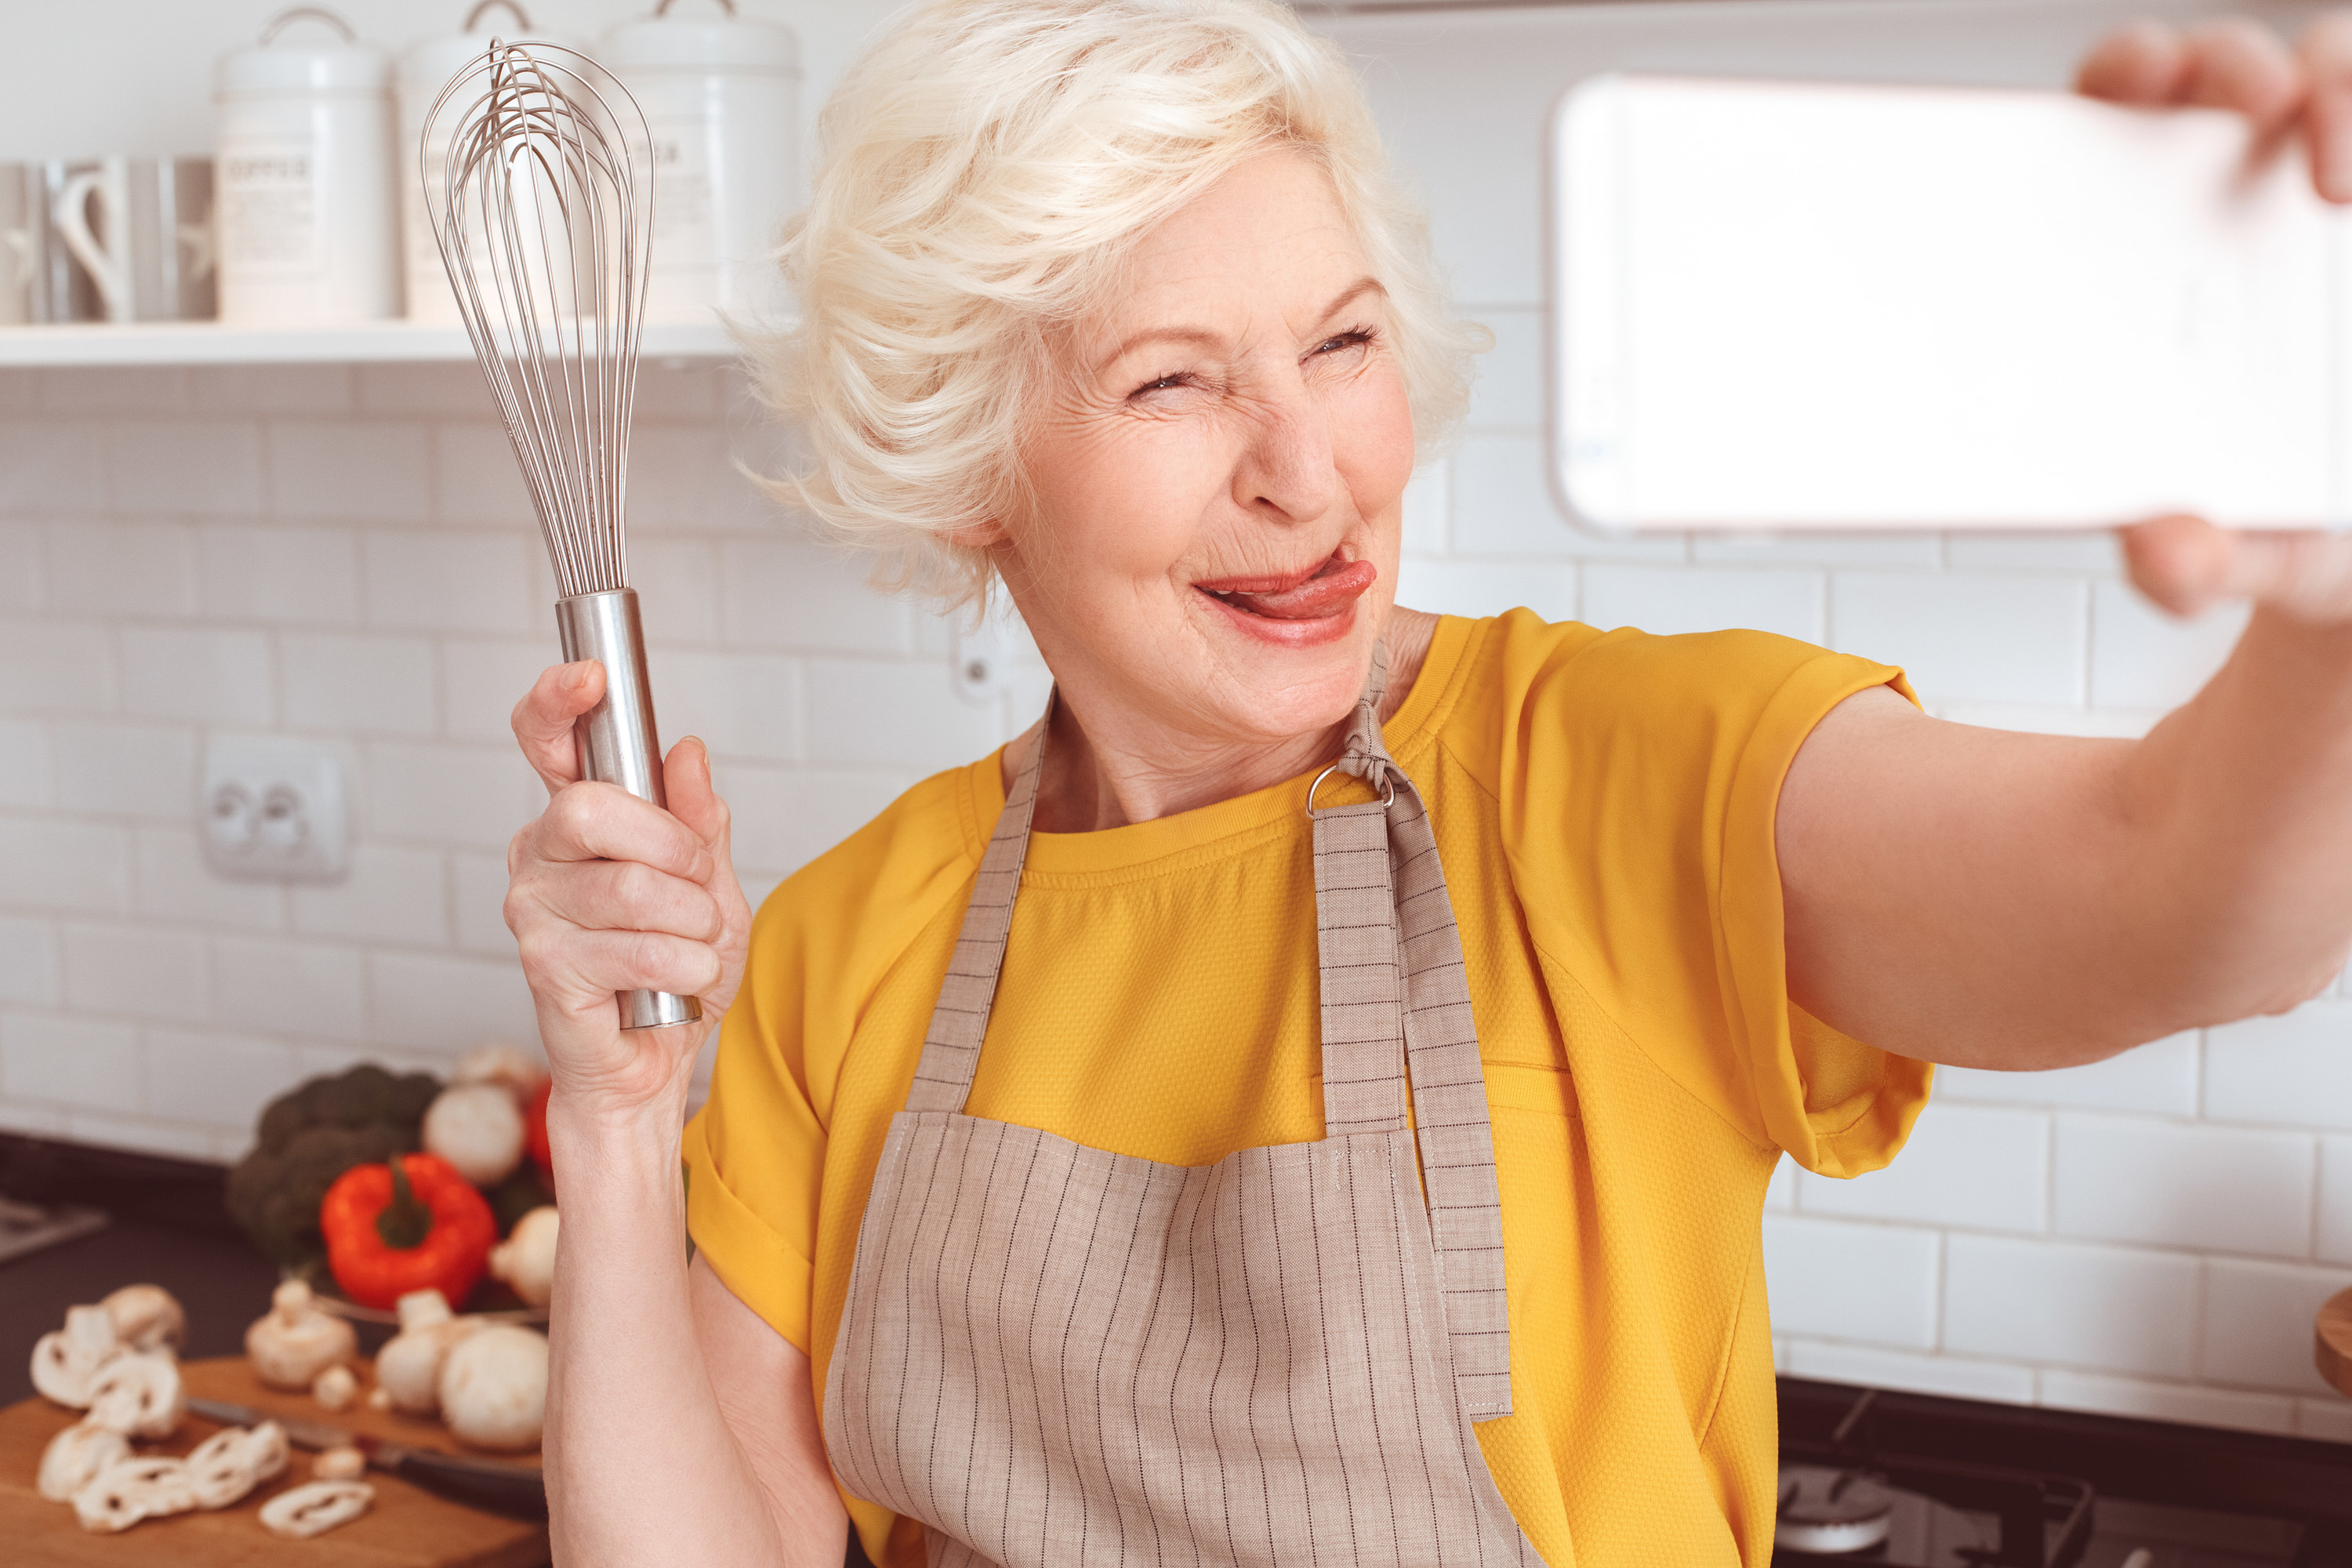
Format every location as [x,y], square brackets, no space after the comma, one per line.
[1304,675]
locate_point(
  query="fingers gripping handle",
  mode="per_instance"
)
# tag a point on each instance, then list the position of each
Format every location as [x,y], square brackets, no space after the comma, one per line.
[618,743]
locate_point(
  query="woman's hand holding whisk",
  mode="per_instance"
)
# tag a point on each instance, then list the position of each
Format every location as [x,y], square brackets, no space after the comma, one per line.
[608,893]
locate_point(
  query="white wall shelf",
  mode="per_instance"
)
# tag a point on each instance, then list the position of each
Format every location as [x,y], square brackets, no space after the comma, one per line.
[364,342]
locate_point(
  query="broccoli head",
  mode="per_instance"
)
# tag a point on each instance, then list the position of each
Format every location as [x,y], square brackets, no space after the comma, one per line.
[310,1135]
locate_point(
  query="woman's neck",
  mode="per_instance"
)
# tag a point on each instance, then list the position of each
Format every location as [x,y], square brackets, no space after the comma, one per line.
[1089,786]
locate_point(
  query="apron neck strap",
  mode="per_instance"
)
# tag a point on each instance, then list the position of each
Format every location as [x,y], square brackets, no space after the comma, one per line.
[1364,1083]
[960,1018]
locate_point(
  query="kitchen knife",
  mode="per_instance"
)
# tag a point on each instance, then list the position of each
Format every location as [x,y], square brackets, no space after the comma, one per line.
[519,1491]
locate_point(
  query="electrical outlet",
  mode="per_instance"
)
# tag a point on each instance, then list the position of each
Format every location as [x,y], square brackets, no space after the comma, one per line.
[980,657]
[273,808]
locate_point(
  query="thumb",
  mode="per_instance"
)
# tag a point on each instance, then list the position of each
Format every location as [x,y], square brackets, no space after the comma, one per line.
[543,718]
[2184,563]
[693,799]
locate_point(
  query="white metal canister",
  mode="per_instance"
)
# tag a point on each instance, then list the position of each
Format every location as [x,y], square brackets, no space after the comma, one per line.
[425,68]
[721,97]
[302,188]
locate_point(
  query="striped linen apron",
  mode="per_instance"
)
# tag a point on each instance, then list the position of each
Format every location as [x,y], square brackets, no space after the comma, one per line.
[1053,1354]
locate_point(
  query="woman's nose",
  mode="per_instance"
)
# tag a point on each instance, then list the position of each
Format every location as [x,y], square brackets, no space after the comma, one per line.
[1287,467]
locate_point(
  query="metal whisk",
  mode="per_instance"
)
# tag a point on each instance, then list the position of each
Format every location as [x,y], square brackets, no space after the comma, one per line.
[544,226]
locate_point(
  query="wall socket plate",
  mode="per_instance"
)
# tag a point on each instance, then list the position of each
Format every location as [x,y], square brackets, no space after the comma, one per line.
[980,657]
[273,808]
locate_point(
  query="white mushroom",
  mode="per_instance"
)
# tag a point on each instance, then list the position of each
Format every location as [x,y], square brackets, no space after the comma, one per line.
[339,1465]
[494,1388]
[408,1368]
[477,1128]
[147,1318]
[73,1458]
[66,1362]
[315,1507]
[294,1342]
[140,1396]
[526,1258]
[128,1490]
[336,1387]
[513,1068]
[234,1460]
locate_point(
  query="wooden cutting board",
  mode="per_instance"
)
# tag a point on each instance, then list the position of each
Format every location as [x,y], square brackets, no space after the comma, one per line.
[2333,1349]
[407,1528]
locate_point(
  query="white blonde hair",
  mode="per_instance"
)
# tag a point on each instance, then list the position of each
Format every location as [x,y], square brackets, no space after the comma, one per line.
[984,170]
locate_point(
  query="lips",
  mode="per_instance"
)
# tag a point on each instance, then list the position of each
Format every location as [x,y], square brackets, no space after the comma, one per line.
[1329,588]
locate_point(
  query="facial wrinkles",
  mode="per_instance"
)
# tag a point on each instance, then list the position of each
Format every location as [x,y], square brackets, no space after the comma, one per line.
[1248,468]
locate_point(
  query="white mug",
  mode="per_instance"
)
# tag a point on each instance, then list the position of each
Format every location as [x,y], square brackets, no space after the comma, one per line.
[141,229]
[24,225]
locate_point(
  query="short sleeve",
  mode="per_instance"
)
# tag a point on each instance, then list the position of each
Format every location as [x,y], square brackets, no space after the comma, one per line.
[1639,779]
[755,1154]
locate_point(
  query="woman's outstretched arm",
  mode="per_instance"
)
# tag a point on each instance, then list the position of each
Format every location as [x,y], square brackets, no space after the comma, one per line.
[680,1426]
[2006,900]
[2012,900]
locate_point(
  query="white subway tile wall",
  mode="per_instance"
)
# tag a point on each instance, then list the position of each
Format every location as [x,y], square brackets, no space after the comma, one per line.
[347,555]
[2146,1234]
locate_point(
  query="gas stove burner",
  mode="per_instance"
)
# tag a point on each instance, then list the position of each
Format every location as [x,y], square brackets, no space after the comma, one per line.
[1850,1500]
[1831,1512]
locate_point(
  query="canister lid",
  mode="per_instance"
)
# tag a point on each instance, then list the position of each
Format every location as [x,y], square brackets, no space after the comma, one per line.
[305,64]
[729,43]
[427,65]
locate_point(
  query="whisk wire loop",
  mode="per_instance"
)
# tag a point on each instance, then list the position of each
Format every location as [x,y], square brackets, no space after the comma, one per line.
[544,225]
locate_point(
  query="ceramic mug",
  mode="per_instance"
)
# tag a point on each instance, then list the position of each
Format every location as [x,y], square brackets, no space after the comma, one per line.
[23,233]
[140,230]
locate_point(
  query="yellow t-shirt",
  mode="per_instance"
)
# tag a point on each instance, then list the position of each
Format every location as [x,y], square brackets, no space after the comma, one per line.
[1604,806]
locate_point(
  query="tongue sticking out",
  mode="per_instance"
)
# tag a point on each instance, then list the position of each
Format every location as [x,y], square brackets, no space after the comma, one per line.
[1328,593]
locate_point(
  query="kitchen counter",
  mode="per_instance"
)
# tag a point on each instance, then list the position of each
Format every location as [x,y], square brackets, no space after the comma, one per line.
[224,1283]
[168,1229]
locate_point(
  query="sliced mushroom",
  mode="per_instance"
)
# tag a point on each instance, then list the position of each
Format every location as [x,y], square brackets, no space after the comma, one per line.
[526,1258]
[140,1396]
[336,1387]
[295,1342]
[147,1318]
[234,1460]
[73,1458]
[494,1388]
[128,1490]
[315,1507]
[408,1368]
[339,1465]
[65,1363]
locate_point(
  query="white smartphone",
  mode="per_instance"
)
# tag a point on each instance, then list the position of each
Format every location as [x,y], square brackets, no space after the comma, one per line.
[1781,305]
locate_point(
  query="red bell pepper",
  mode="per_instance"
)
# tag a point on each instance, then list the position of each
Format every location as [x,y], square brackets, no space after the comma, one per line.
[534,1132]
[413,1224]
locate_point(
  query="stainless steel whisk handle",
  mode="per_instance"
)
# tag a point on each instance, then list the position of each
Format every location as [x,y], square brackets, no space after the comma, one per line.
[618,743]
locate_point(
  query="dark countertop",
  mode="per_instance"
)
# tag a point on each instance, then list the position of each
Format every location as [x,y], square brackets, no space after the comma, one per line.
[168,1228]
[223,1282]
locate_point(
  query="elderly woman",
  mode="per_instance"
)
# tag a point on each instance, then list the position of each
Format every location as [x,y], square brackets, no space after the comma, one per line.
[1350,1146]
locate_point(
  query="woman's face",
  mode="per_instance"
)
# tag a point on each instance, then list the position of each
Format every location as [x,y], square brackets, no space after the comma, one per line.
[1211,548]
